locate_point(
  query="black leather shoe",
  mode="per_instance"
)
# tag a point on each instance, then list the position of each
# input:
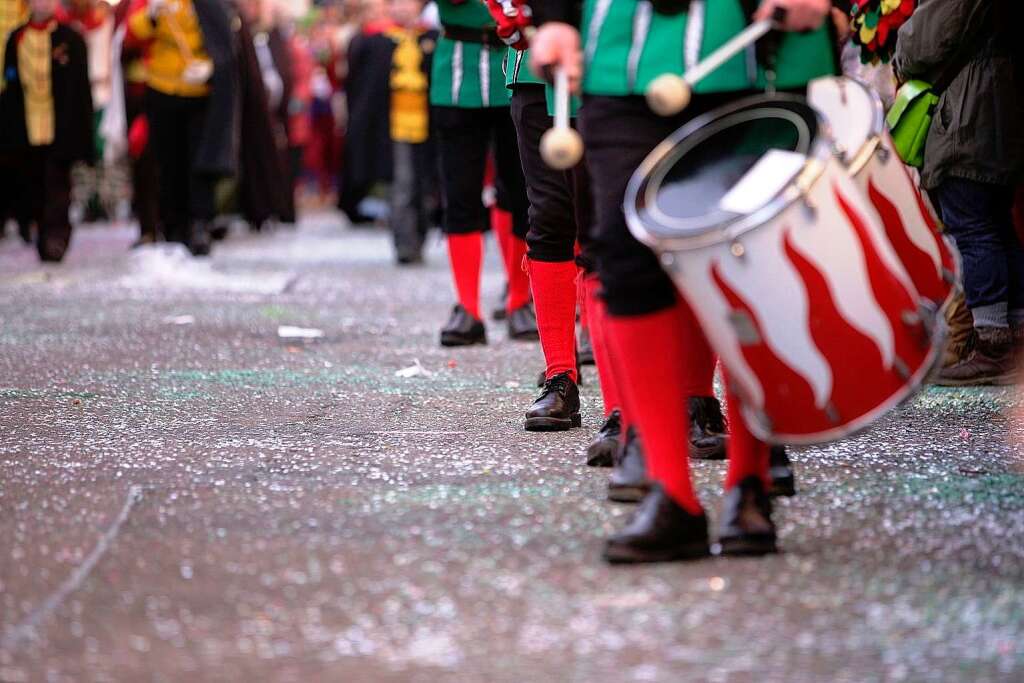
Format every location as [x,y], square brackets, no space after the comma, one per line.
[522,324]
[584,349]
[781,471]
[601,451]
[199,238]
[746,526]
[659,531]
[707,429]
[628,482]
[558,407]
[462,329]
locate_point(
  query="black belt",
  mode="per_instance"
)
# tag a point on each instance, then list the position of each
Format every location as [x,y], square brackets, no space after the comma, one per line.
[483,36]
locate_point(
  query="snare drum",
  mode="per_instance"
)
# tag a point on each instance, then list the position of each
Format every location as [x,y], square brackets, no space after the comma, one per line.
[787,267]
[855,117]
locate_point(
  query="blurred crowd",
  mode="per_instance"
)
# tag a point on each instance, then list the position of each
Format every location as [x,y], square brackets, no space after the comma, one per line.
[188,115]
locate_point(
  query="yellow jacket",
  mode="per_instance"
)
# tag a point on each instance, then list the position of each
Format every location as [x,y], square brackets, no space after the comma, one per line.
[172,37]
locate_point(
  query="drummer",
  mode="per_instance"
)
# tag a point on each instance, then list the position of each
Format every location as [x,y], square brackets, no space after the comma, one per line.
[626,45]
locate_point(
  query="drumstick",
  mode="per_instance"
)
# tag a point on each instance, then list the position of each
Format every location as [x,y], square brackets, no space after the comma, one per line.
[561,146]
[669,94]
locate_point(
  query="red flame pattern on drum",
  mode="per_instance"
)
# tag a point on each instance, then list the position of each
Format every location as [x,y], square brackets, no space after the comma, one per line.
[923,270]
[862,376]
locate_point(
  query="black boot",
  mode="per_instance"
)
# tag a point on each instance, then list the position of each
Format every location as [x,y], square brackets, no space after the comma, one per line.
[522,324]
[558,407]
[628,482]
[601,451]
[584,348]
[781,471]
[462,329]
[199,238]
[707,429]
[659,531]
[746,526]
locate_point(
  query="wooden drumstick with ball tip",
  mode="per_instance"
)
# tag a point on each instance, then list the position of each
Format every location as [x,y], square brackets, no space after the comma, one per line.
[669,94]
[561,147]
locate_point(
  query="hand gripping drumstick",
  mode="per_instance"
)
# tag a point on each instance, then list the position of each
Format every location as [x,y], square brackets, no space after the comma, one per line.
[669,94]
[561,146]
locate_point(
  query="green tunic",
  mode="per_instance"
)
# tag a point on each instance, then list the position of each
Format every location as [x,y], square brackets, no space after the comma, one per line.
[467,74]
[517,72]
[626,45]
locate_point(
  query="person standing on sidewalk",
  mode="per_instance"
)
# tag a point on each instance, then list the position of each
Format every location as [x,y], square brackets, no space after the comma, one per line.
[46,120]
[972,160]
[191,105]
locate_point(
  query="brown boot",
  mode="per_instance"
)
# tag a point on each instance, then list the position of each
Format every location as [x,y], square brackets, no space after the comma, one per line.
[961,332]
[990,362]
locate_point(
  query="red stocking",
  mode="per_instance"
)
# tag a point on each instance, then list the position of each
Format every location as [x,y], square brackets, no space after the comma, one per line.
[465,254]
[597,315]
[748,455]
[656,361]
[554,296]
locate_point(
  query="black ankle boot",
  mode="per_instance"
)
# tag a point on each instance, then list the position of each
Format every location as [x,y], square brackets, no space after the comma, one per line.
[746,526]
[522,324]
[462,329]
[199,238]
[707,429]
[558,407]
[602,450]
[781,471]
[628,482]
[659,531]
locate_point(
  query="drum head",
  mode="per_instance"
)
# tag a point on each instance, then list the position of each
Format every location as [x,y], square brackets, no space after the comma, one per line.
[721,169]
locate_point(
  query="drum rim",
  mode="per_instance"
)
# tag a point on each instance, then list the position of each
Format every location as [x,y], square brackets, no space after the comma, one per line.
[821,150]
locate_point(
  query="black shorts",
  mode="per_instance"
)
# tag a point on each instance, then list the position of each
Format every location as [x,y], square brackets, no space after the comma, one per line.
[619,133]
[560,202]
[464,137]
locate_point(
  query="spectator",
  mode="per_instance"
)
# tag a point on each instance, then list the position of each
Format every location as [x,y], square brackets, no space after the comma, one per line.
[46,117]
[191,109]
[973,156]
[412,155]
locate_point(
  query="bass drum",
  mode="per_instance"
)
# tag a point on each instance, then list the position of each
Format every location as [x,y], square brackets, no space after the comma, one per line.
[785,263]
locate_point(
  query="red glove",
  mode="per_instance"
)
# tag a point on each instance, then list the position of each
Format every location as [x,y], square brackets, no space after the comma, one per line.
[513,18]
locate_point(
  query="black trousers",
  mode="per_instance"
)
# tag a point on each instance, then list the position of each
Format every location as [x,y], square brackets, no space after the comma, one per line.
[619,133]
[464,137]
[560,203]
[413,199]
[46,185]
[175,131]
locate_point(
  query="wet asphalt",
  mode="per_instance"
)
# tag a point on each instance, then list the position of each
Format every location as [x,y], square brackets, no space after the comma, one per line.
[185,494]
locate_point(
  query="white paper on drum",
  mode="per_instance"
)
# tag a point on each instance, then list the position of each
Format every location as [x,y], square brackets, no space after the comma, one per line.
[766,179]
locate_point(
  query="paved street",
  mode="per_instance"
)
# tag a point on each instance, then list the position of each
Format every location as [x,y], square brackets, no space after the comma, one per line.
[186,494]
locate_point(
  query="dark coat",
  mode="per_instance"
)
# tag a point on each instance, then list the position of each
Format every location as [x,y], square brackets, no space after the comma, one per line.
[264,188]
[72,99]
[977,132]
[366,159]
[218,151]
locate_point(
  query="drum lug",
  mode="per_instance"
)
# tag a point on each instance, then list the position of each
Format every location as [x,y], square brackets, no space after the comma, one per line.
[746,330]
[668,260]
[949,276]
[911,318]
[901,368]
[737,249]
[832,413]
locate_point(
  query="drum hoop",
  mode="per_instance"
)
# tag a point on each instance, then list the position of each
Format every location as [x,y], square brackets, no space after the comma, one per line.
[729,230]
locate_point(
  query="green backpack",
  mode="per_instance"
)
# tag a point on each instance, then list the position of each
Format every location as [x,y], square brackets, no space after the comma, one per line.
[909,120]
